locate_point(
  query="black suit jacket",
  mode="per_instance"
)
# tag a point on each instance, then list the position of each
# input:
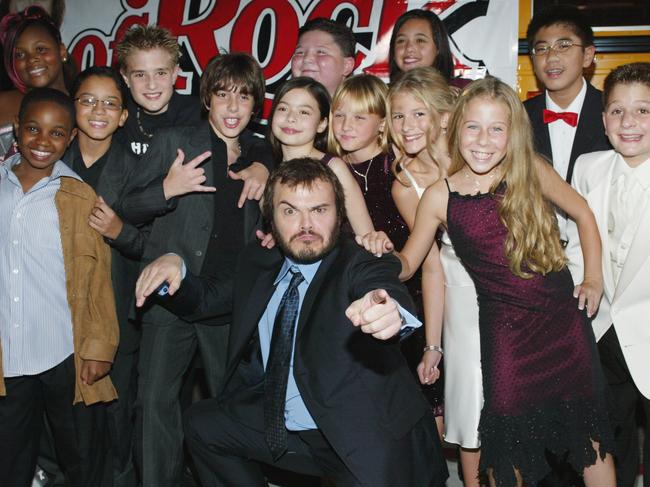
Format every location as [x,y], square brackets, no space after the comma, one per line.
[183,224]
[358,389]
[590,132]
[127,248]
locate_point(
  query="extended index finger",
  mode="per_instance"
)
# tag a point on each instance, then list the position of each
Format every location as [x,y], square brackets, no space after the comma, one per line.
[199,159]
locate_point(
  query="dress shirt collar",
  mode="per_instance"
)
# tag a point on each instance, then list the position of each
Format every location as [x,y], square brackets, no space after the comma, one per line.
[641,173]
[575,106]
[60,169]
[308,271]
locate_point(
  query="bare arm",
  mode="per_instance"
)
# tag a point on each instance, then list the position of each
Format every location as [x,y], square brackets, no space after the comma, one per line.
[433,296]
[355,205]
[430,214]
[565,197]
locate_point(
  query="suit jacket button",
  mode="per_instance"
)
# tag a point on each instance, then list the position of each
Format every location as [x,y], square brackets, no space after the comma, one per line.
[198,253]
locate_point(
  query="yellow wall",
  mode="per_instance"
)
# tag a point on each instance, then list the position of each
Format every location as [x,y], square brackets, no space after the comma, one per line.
[604,62]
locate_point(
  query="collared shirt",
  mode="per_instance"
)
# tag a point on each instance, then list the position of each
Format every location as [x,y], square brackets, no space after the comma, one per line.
[35,319]
[562,135]
[296,415]
[628,203]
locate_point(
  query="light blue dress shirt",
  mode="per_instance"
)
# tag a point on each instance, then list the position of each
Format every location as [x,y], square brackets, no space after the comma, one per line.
[296,415]
[35,319]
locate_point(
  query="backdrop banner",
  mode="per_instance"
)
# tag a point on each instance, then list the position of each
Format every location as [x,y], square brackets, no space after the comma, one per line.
[483,33]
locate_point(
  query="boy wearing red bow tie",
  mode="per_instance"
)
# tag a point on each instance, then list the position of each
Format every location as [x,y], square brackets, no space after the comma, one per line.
[566,118]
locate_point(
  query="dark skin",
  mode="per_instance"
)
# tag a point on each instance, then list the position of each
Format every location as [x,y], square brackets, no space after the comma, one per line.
[44,133]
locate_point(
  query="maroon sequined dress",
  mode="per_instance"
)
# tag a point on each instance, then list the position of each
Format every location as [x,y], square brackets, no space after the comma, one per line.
[375,180]
[542,380]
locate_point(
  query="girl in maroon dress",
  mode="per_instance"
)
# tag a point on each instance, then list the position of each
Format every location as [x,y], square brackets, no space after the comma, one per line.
[542,381]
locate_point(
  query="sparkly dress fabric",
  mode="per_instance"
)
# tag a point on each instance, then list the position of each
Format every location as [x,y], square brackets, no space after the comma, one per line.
[542,381]
[375,180]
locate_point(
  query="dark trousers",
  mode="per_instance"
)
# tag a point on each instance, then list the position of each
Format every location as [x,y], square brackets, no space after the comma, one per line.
[625,398]
[226,451]
[79,431]
[166,352]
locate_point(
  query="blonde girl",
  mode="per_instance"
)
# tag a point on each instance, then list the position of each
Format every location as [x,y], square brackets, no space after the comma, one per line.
[542,383]
[420,104]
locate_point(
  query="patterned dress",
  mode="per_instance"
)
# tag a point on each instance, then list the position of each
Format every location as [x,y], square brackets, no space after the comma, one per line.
[542,381]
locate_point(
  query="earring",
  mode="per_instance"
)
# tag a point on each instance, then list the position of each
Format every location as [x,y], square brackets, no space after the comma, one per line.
[65,59]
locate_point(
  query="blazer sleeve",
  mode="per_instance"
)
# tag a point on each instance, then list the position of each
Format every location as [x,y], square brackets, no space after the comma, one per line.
[143,198]
[131,241]
[201,298]
[369,273]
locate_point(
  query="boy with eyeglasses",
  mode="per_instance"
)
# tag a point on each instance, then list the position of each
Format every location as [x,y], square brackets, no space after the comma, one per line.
[106,164]
[566,118]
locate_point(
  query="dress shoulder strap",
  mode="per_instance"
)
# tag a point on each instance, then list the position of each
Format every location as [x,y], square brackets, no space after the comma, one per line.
[419,191]
[326,159]
[447,183]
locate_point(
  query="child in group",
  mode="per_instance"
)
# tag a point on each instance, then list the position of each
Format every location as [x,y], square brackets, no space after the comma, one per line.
[106,164]
[542,382]
[29,38]
[148,58]
[59,330]
[325,52]
[207,229]
[419,40]
[298,128]
[358,135]
[615,185]
[566,118]
[420,104]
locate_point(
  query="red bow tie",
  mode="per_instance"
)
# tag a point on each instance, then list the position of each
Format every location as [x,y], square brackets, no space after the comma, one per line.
[569,117]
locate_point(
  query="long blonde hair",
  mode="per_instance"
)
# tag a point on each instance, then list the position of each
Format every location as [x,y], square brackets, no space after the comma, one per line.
[367,94]
[429,87]
[533,240]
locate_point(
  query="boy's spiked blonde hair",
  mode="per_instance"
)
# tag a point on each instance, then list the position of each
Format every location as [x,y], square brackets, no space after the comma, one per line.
[145,38]
[533,242]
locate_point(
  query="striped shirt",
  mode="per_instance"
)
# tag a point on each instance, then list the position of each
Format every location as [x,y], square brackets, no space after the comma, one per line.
[35,319]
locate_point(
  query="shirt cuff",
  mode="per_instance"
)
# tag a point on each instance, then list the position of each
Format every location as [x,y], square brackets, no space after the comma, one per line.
[408,321]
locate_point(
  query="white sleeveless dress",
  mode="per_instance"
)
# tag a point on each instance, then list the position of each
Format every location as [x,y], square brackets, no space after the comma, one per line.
[461,342]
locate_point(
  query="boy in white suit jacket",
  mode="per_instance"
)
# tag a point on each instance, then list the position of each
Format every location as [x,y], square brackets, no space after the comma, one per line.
[616,184]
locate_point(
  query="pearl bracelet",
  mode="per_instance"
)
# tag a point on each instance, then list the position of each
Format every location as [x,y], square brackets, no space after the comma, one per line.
[433,348]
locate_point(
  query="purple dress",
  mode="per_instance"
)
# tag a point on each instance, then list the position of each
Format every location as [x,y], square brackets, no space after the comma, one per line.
[542,380]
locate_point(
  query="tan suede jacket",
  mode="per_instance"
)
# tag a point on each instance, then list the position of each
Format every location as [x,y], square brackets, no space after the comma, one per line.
[86,259]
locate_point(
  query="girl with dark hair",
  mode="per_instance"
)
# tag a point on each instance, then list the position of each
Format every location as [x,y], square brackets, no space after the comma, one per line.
[34,57]
[298,128]
[419,40]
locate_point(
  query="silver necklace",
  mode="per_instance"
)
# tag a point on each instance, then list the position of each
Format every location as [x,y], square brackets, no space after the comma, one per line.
[364,176]
[477,184]
[140,127]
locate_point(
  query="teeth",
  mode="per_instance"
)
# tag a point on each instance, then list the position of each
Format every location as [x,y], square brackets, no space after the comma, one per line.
[482,155]
[39,153]
[630,138]
[36,71]
[97,123]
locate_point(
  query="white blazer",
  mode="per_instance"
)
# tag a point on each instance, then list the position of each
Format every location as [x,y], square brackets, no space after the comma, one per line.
[626,305]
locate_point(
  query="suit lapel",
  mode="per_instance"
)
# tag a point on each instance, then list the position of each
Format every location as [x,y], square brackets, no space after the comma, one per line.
[589,125]
[598,200]
[638,253]
[540,129]
[314,289]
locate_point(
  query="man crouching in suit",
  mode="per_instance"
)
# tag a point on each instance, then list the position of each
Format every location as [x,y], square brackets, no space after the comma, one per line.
[316,381]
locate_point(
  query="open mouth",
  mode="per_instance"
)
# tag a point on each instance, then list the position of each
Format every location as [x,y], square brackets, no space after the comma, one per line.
[554,73]
[289,130]
[630,137]
[40,155]
[37,71]
[482,156]
[97,124]
[231,122]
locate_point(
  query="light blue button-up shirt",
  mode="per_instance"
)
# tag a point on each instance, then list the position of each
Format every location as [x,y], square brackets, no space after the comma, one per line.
[296,415]
[35,319]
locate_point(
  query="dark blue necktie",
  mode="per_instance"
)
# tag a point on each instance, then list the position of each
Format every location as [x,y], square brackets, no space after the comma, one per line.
[277,368]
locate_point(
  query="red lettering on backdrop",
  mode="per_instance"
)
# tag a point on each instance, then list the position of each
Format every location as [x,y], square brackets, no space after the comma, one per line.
[100,56]
[200,34]
[286,33]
